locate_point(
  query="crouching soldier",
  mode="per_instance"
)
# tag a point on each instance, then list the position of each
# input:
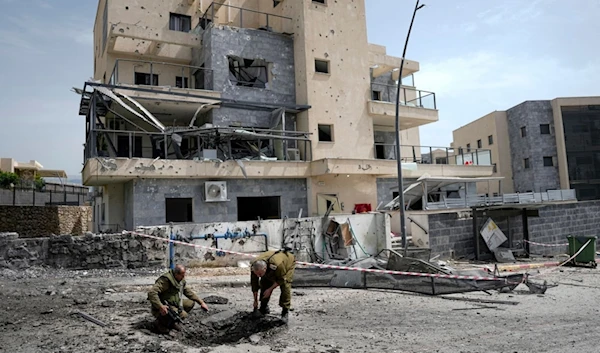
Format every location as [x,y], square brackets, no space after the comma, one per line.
[167,293]
[270,270]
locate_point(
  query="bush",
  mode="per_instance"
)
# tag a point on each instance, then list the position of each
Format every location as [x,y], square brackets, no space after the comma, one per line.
[8,178]
[39,183]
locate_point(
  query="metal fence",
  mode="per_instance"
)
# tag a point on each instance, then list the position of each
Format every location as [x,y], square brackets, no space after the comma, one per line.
[434,154]
[409,96]
[18,196]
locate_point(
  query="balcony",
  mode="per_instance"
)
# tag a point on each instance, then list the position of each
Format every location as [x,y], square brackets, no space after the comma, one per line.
[434,155]
[133,39]
[161,75]
[226,15]
[417,107]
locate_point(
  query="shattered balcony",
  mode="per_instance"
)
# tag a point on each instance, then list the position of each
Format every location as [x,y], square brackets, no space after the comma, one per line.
[220,14]
[417,107]
[134,39]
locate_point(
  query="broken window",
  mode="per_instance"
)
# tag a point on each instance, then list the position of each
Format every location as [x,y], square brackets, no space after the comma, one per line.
[523,131]
[265,207]
[468,147]
[376,95]
[319,1]
[181,23]
[142,78]
[548,162]
[325,133]
[181,82]
[479,144]
[379,151]
[179,210]
[124,146]
[276,2]
[248,72]
[490,140]
[322,66]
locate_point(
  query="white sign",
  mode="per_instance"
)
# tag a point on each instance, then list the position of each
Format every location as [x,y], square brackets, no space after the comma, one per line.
[492,235]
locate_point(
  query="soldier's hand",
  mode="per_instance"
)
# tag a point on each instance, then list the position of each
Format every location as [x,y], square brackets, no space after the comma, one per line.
[164,310]
[267,293]
[204,306]
[255,304]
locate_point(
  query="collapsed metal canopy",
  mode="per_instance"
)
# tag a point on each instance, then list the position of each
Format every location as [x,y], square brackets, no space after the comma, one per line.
[391,260]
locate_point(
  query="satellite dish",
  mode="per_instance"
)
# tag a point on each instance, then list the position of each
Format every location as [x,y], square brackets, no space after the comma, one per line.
[214,191]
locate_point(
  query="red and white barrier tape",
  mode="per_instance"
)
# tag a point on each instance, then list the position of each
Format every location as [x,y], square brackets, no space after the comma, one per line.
[335,267]
[543,244]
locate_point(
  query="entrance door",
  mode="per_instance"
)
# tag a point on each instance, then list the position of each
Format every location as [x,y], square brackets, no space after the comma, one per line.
[324,201]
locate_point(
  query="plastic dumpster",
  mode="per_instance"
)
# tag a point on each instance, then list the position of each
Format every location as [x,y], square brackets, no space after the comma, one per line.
[587,257]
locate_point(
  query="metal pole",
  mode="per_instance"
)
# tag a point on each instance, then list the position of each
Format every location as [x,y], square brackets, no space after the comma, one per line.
[398,159]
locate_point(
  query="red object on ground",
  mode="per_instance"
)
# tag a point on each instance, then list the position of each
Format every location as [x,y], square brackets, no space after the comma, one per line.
[362,207]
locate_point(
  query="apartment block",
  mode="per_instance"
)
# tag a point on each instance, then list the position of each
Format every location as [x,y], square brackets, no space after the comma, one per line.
[543,145]
[205,111]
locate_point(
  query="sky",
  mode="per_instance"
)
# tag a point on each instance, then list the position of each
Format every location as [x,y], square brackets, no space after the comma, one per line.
[476,55]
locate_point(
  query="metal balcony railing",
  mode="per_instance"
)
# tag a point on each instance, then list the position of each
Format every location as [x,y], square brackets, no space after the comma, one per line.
[409,96]
[434,155]
[246,18]
[151,73]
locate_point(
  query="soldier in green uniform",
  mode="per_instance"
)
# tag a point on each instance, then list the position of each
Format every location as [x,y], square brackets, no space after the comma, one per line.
[169,288]
[270,270]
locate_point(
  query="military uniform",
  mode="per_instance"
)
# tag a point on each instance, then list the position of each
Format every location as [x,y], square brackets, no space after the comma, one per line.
[166,288]
[280,270]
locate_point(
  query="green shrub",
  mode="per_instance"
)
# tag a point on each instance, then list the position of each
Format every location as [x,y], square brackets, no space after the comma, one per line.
[7,178]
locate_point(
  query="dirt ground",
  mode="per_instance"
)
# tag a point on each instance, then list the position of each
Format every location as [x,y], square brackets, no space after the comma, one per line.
[39,314]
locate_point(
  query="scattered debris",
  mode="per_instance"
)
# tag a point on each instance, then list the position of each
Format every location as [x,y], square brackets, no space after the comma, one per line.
[486,301]
[214,299]
[90,318]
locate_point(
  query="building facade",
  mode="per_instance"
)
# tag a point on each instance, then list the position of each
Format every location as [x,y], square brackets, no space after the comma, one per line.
[223,111]
[542,145]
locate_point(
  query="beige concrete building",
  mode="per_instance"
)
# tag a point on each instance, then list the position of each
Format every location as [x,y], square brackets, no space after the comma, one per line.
[29,170]
[212,110]
[489,133]
[542,146]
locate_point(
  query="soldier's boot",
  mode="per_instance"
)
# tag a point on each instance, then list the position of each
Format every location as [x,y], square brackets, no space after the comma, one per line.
[285,315]
[160,326]
[264,307]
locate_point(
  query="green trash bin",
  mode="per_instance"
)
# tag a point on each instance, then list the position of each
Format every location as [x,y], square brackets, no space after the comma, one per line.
[587,257]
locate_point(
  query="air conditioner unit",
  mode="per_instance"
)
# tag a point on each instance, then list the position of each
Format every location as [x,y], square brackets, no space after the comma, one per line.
[293,154]
[215,191]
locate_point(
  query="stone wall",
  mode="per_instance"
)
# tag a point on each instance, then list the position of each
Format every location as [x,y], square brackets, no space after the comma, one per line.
[534,146]
[452,235]
[81,252]
[36,221]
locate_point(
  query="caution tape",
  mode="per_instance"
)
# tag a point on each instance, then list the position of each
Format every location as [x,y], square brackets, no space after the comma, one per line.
[543,244]
[334,267]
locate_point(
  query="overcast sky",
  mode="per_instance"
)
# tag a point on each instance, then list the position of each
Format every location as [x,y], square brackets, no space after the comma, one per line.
[477,56]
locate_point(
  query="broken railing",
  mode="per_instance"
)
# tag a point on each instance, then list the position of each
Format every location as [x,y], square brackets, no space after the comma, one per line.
[222,14]
[409,96]
[152,73]
[223,143]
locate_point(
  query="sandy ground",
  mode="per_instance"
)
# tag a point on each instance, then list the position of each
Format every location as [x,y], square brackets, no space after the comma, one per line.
[39,309]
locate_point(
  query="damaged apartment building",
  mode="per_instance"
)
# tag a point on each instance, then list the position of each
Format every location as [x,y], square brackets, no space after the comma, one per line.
[203,111]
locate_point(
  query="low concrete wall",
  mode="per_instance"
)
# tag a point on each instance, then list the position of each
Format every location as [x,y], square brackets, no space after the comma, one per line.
[37,221]
[81,252]
[450,234]
[371,231]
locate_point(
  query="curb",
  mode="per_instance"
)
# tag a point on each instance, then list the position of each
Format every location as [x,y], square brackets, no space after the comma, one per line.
[511,268]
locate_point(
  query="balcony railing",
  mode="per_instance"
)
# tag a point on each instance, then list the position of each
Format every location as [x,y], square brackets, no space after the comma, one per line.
[200,144]
[434,155]
[409,96]
[246,18]
[150,73]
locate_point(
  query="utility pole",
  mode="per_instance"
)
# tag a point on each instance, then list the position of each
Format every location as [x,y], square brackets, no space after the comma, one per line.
[398,157]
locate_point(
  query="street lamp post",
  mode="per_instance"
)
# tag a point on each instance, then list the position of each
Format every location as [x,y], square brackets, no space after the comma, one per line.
[398,157]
